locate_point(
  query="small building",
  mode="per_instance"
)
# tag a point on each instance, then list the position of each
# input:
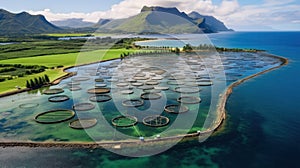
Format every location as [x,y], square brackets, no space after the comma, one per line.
[142,139]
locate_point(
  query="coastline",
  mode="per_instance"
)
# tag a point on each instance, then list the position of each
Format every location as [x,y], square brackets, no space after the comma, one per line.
[129,143]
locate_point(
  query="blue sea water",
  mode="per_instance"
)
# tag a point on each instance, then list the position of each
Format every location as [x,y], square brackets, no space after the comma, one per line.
[266,109]
[262,128]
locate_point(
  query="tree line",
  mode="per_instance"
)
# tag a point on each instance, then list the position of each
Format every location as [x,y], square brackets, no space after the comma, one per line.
[37,82]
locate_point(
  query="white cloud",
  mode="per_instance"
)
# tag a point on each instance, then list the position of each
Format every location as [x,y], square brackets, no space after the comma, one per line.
[276,2]
[229,11]
[265,15]
[128,8]
[227,7]
[94,16]
[296,21]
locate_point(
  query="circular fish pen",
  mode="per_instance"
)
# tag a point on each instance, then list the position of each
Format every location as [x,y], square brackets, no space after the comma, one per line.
[174,82]
[53,91]
[59,98]
[127,91]
[74,88]
[161,87]
[100,85]
[133,103]
[140,75]
[176,109]
[141,78]
[83,123]
[131,80]
[83,106]
[145,87]
[157,78]
[112,80]
[152,82]
[189,100]
[73,83]
[100,98]
[187,90]
[204,83]
[152,90]
[155,70]
[191,84]
[98,90]
[137,84]
[156,121]
[28,105]
[54,116]
[151,96]
[174,78]
[124,121]
[99,80]
[80,78]
[122,84]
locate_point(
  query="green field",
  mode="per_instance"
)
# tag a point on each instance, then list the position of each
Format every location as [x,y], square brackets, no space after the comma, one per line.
[67,34]
[48,47]
[66,60]
[77,34]
[43,45]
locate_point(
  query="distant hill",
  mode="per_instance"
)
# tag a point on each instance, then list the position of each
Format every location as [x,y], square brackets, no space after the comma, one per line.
[73,23]
[24,23]
[211,21]
[160,20]
[102,22]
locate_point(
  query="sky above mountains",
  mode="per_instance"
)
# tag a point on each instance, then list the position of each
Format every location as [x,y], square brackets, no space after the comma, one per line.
[237,14]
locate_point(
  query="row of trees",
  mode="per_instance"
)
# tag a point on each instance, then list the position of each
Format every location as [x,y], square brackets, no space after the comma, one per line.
[2,79]
[23,66]
[34,71]
[187,48]
[156,47]
[122,56]
[206,47]
[237,49]
[37,82]
[10,69]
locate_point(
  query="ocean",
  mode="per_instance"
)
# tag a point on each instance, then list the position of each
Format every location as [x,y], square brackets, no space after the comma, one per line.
[261,128]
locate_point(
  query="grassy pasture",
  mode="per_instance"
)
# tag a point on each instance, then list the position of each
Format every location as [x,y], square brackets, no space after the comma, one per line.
[55,60]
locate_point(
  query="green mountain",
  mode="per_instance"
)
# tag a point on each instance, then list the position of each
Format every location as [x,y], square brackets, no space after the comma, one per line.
[24,23]
[211,21]
[158,20]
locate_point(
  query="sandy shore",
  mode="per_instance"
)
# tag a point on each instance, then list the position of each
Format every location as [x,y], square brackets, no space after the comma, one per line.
[148,142]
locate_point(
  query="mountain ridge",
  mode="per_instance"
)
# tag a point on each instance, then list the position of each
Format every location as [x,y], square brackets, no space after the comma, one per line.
[211,21]
[154,19]
[73,23]
[157,19]
[25,23]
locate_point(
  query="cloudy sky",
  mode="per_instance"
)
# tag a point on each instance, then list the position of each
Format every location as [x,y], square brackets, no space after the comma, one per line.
[236,14]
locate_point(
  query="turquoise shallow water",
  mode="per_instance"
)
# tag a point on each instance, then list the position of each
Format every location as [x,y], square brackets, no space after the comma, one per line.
[261,130]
